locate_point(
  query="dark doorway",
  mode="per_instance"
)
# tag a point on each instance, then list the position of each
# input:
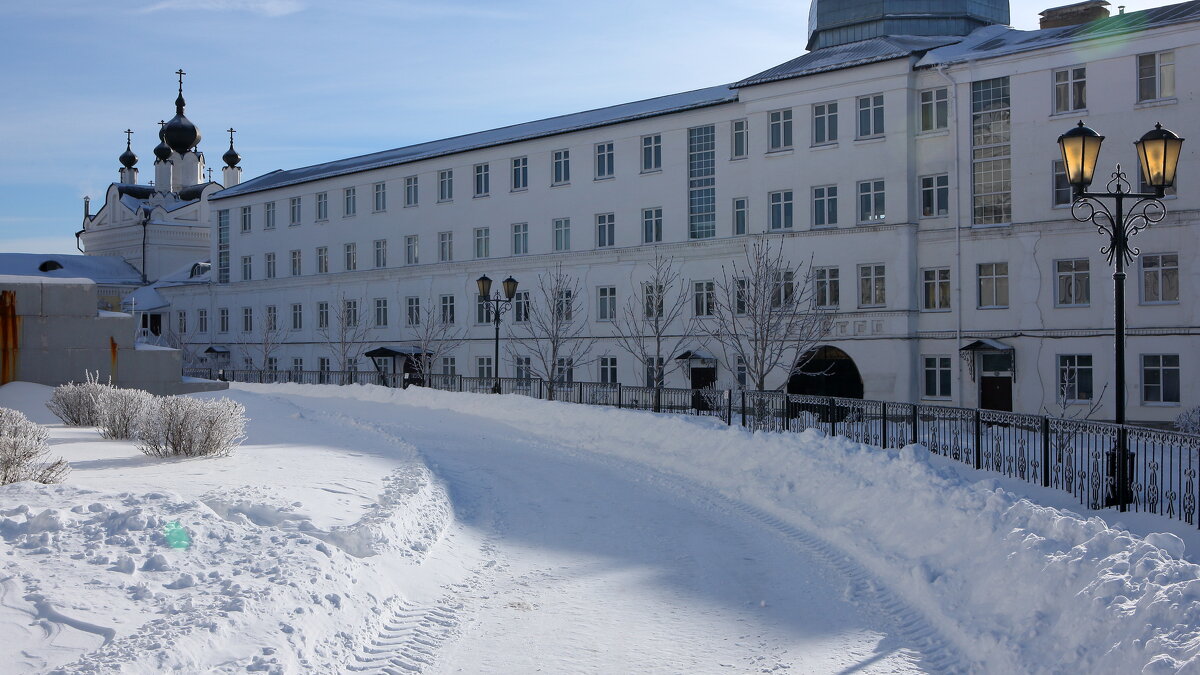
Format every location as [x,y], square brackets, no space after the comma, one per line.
[701,378]
[827,371]
[152,323]
[995,392]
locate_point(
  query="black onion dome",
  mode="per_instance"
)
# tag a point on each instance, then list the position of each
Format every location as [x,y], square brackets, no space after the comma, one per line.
[162,150]
[231,156]
[127,158]
[180,134]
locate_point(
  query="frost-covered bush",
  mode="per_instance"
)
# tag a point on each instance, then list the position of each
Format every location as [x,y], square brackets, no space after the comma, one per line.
[78,404]
[23,451]
[1188,421]
[181,426]
[119,410]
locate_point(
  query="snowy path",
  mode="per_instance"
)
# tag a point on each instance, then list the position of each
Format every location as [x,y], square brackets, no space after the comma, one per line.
[568,563]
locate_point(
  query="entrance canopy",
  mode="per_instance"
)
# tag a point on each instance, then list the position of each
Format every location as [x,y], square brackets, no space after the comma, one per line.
[995,356]
[380,352]
[706,360]
[221,351]
[986,345]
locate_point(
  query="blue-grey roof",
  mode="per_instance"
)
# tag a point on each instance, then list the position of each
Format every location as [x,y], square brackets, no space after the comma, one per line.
[837,22]
[519,132]
[849,56]
[144,299]
[102,269]
[994,41]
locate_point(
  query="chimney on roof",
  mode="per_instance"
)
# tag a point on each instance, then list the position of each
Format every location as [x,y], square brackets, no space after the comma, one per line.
[1073,15]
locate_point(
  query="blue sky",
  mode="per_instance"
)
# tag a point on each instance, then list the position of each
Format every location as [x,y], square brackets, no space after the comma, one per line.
[307,81]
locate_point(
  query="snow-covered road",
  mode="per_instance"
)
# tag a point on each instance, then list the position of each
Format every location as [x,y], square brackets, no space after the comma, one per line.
[561,562]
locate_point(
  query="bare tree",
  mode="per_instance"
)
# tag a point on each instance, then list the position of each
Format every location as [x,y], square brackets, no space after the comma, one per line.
[764,313]
[552,333]
[183,339]
[643,326]
[261,344]
[344,331]
[434,335]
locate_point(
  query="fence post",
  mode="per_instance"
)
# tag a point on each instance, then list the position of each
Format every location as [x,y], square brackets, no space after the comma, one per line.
[658,399]
[832,417]
[883,439]
[729,407]
[787,415]
[460,382]
[619,396]
[1123,460]
[914,421]
[579,396]
[1045,451]
[978,440]
[743,407]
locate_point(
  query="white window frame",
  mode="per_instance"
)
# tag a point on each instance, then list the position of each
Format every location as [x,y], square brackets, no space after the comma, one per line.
[935,195]
[874,209]
[519,175]
[741,215]
[1070,90]
[779,130]
[445,186]
[349,202]
[872,293]
[561,163]
[941,367]
[991,272]
[1071,277]
[380,202]
[606,303]
[1161,74]
[739,139]
[606,230]
[412,250]
[520,238]
[825,206]
[445,246]
[562,234]
[1153,264]
[870,116]
[604,167]
[322,258]
[412,194]
[483,242]
[935,289]
[1155,393]
[380,248]
[933,110]
[825,123]
[652,225]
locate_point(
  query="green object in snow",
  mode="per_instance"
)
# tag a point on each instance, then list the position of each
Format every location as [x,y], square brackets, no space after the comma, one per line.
[177,537]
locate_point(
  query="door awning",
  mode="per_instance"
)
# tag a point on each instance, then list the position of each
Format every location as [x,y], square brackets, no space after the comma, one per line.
[986,345]
[695,355]
[381,352]
[217,350]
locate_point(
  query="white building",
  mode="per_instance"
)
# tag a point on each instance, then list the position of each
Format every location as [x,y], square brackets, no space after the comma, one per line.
[910,155]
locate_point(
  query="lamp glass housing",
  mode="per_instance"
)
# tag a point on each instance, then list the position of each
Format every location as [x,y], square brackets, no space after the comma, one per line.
[1158,151]
[1080,151]
[485,286]
[510,288]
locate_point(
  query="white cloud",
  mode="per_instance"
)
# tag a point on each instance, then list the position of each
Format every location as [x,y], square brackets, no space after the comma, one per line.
[264,7]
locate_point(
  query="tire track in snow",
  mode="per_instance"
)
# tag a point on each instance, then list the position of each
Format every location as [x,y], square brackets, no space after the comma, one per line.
[408,642]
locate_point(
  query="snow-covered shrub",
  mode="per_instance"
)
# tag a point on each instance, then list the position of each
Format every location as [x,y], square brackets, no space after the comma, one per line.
[23,451]
[119,410]
[78,404]
[181,426]
[1188,421]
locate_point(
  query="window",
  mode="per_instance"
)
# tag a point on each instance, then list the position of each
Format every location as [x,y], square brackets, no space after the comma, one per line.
[870,115]
[295,263]
[1156,76]
[247,268]
[181,326]
[410,250]
[447,309]
[780,130]
[322,315]
[703,295]
[349,313]
[564,305]
[272,318]
[294,208]
[446,185]
[269,216]
[604,160]
[223,320]
[521,307]
[483,242]
[245,219]
[937,376]
[608,369]
[445,246]
[781,210]
[322,206]
[651,153]
[652,300]
[351,257]
[702,191]
[380,252]
[223,246]
[483,180]
[827,286]
[272,363]
[935,109]
[655,370]
[935,288]
[202,320]
[1063,193]
[381,196]
[605,230]
[448,366]
[412,311]
[411,195]
[297,364]
[652,225]
[1070,89]
[740,372]
[520,238]
[269,263]
[739,141]
[783,289]
[607,309]
[562,167]
[1160,378]
[297,316]
[825,123]
[870,201]
[520,173]
[562,234]
[247,319]
[871,286]
[991,161]
[1074,377]
[993,285]
[322,260]
[483,310]
[935,195]
[825,212]
[741,215]
[349,201]
[1160,278]
[483,367]
[323,367]
[381,312]
[1073,282]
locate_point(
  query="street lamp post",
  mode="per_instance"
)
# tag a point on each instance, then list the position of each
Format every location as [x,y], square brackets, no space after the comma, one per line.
[497,305]
[1158,153]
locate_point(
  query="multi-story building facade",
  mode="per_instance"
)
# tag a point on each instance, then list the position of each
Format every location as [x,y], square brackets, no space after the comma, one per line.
[919,173]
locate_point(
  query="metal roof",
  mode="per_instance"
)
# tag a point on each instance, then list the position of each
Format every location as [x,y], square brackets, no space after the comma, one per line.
[102,269]
[519,132]
[849,56]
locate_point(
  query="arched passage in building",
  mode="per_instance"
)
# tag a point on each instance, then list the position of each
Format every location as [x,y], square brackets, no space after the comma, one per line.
[827,371]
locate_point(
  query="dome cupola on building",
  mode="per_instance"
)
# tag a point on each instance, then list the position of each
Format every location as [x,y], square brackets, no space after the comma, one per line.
[179,133]
[839,22]
[128,159]
[162,151]
[231,156]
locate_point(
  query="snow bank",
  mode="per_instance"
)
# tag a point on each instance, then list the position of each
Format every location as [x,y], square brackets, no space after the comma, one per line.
[1016,586]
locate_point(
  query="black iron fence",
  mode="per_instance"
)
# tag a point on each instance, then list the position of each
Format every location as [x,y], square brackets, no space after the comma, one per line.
[1080,457]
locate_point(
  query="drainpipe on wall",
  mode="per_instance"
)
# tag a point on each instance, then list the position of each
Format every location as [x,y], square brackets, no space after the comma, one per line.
[958,328]
[145,228]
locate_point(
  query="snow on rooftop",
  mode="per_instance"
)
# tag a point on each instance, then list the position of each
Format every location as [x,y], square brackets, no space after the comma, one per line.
[99,268]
